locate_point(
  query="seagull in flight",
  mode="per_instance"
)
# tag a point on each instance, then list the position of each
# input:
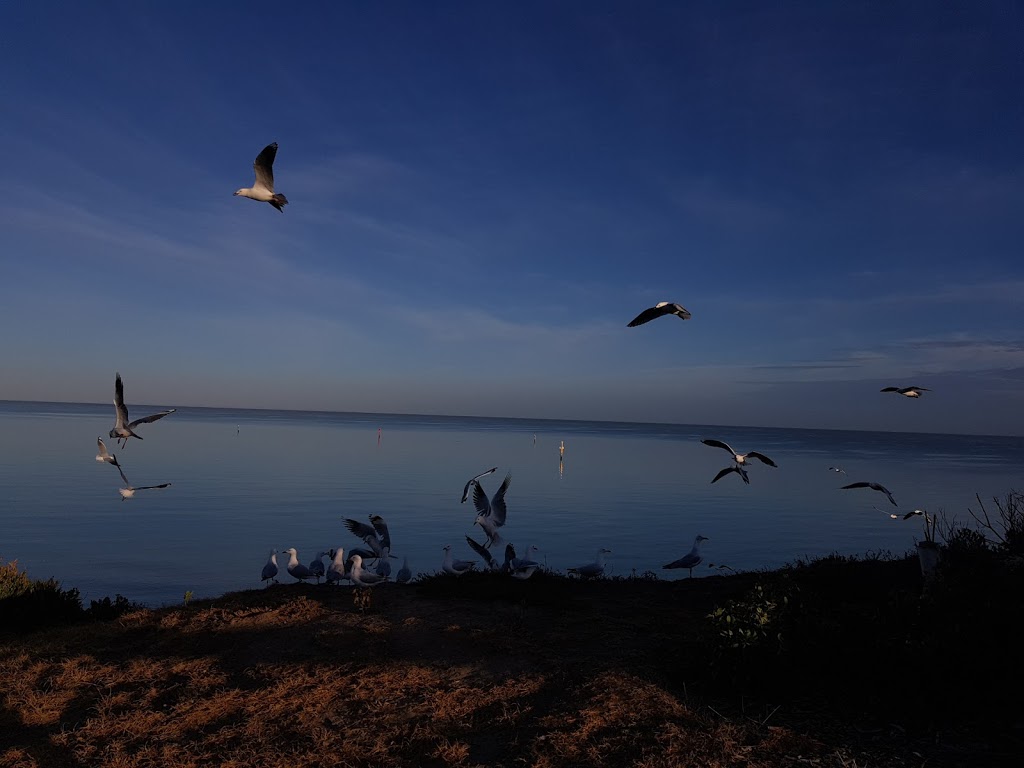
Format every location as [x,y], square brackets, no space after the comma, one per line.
[740,458]
[481,550]
[375,535]
[840,470]
[263,189]
[906,391]
[873,486]
[473,480]
[129,490]
[104,454]
[491,514]
[658,310]
[122,427]
[692,559]
[734,468]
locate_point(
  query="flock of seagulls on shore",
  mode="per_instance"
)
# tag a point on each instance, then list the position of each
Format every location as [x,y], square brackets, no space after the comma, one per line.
[370,564]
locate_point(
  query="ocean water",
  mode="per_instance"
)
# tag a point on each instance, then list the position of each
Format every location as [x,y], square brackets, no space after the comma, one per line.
[246,481]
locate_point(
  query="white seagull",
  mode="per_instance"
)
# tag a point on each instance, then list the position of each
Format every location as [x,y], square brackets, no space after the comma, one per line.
[336,570]
[122,427]
[404,573]
[375,535]
[295,568]
[873,486]
[594,569]
[104,454]
[129,490]
[263,189]
[658,310]
[472,480]
[734,468]
[692,558]
[906,391]
[839,470]
[740,458]
[523,568]
[270,569]
[455,567]
[491,514]
[361,577]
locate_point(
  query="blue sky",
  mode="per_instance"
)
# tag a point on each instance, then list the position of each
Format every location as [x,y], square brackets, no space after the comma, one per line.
[484,194]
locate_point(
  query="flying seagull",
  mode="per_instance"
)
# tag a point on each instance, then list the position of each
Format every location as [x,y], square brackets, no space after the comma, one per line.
[594,569]
[376,536]
[104,454]
[473,480]
[122,427]
[740,458]
[129,490]
[659,309]
[734,468]
[263,189]
[874,487]
[692,559]
[491,514]
[481,550]
[270,569]
[906,391]
[840,470]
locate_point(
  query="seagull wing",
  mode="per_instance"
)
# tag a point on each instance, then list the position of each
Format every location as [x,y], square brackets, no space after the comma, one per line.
[149,487]
[104,453]
[482,551]
[480,500]
[763,458]
[120,409]
[890,389]
[151,419]
[465,491]
[680,311]
[364,531]
[382,531]
[127,484]
[498,509]
[855,485]
[647,315]
[264,168]
[686,561]
[720,444]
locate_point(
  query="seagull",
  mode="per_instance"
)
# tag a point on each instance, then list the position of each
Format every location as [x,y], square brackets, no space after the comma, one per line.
[404,574]
[659,309]
[270,569]
[874,487]
[370,535]
[893,515]
[263,189]
[906,391]
[104,454]
[740,458]
[382,531]
[491,514]
[734,468]
[362,578]
[383,567]
[523,568]
[336,570]
[295,568]
[594,569]
[481,550]
[455,567]
[129,490]
[316,566]
[912,514]
[691,559]
[473,480]
[122,427]
[840,470]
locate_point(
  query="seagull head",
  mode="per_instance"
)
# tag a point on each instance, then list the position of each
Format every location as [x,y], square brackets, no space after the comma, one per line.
[236,194]
[703,538]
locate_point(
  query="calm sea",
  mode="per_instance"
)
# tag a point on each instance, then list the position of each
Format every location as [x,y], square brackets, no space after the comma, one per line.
[246,481]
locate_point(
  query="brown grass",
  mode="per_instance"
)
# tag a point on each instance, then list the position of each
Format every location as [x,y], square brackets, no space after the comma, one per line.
[298,675]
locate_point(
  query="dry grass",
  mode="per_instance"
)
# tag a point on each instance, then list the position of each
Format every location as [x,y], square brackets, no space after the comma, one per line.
[300,675]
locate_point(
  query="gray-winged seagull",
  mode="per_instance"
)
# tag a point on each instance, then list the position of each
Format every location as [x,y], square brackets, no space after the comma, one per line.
[873,486]
[122,427]
[658,310]
[263,189]
[491,513]
[692,558]
[906,391]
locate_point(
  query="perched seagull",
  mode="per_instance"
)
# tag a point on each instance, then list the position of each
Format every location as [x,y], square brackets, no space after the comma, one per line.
[336,570]
[104,454]
[363,578]
[523,568]
[270,569]
[129,490]
[491,514]
[383,567]
[473,480]
[481,550]
[740,458]
[874,487]
[295,568]
[594,569]
[691,559]
[122,427]
[404,574]
[658,310]
[316,566]
[263,189]
[840,470]
[906,391]
[455,567]
[734,468]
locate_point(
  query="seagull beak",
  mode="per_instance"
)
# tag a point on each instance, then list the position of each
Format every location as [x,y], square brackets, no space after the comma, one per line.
[234,194]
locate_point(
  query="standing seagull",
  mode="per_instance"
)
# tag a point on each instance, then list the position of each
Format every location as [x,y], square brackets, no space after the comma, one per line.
[336,570]
[874,487]
[122,427]
[270,569]
[361,577]
[491,514]
[740,458]
[659,309]
[473,480]
[594,569]
[129,490]
[316,566]
[104,454]
[263,189]
[906,391]
[295,568]
[692,559]
[455,567]
[404,573]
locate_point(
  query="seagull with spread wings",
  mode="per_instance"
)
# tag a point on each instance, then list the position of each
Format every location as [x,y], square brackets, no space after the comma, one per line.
[740,458]
[660,309]
[263,189]
[122,427]
[873,486]
[129,490]
[105,455]
[906,391]
[491,513]
[474,481]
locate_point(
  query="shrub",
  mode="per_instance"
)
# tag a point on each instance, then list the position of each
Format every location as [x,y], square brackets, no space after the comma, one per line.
[26,604]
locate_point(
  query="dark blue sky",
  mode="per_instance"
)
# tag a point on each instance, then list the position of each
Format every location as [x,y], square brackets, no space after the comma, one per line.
[483,194]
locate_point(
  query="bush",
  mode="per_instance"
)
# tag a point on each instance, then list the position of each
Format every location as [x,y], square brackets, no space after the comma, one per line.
[26,605]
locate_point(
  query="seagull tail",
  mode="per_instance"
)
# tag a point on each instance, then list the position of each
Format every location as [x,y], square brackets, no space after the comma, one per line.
[279,201]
